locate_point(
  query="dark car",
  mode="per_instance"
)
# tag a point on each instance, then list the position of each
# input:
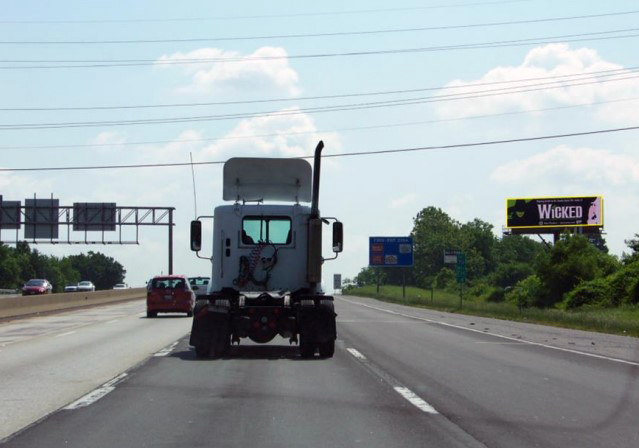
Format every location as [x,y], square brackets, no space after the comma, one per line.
[169,294]
[37,286]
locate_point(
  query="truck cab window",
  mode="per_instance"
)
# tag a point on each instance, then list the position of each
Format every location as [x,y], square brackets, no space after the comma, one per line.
[266,229]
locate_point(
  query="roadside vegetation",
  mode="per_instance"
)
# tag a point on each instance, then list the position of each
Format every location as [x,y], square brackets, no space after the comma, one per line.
[21,263]
[574,283]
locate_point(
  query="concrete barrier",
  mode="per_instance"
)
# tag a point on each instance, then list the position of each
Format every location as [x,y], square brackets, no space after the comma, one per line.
[25,305]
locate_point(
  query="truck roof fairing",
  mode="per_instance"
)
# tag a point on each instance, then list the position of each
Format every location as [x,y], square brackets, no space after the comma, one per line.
[255,179]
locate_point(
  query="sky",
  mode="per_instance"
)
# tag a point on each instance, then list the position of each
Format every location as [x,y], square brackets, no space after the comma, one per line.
[94,84]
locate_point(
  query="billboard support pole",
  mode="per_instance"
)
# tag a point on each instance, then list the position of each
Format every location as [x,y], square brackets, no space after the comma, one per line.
[377,281]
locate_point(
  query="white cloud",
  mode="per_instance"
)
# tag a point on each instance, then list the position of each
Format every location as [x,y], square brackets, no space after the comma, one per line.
[108,138]
[549,61]
[403,201]
[287,135]
[566,166]
[266,68]
[17,187]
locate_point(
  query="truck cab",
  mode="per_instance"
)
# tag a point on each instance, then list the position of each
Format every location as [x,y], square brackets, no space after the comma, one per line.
[266,260]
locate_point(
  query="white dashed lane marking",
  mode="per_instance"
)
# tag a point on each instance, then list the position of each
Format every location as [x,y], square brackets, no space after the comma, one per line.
[65,334]
[96,394]
[415,400]
[165,351]
[405,392]
[356,354]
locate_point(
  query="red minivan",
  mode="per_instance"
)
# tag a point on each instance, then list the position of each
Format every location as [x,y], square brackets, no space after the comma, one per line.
[169,294]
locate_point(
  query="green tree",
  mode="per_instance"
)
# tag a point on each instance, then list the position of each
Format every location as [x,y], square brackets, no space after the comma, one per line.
[433,232]
[368,276]
[571,261]
[478,243]
[633,244]
[9,268]
[103,271]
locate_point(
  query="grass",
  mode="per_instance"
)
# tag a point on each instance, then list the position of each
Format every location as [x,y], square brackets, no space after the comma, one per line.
[622,320]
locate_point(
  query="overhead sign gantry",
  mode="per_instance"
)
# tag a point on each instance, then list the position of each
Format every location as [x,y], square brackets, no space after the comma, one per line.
[42,219]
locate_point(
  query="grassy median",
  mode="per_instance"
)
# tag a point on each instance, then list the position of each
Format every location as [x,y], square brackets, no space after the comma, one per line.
[623,320]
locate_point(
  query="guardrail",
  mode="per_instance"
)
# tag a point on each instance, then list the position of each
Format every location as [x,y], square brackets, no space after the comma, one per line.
[9,291]
[25,305]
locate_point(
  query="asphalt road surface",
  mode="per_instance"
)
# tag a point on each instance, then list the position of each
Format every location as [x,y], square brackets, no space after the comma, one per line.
[401,377]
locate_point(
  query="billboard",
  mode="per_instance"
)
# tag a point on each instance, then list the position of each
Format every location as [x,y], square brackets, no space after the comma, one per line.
[9,214]
[41,218]
[557,212]
[96,216]
[387,251]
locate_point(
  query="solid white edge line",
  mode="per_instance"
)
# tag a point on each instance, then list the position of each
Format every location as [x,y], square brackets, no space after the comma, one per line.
[95,394]
[356,354]
[166,350]
[415,400]
[592,355]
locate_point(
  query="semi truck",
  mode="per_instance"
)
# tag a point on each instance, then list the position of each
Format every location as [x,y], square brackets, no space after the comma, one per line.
[267,260]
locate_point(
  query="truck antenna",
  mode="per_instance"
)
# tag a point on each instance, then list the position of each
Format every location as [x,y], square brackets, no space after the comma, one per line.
[193,177]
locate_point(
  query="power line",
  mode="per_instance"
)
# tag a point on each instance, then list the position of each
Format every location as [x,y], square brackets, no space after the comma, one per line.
[355,128]
[322,97]
[101,63]
[265,16]
[323,109]
[314,35]
[348,154]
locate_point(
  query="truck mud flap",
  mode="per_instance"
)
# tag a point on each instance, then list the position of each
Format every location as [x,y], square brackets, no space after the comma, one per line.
[211,328]
[317,322]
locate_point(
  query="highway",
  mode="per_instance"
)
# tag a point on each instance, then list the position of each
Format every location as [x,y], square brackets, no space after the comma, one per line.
[400,377]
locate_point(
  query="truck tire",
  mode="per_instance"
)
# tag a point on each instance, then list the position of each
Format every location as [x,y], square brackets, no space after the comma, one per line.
[307,347]
[326,349]
[220,343]
[201,351]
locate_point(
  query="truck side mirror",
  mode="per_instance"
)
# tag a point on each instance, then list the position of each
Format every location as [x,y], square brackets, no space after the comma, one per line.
[196,236]
[338,237]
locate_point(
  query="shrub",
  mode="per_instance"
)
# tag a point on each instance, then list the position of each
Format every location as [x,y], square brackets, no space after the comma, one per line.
[479,288]
[634,297]
[622,282]
[445,277]
[511,273]
[497,294]
[597,292]
[527,292]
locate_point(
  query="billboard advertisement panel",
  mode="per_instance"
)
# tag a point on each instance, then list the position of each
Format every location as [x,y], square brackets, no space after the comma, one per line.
[535,213]
[390,251]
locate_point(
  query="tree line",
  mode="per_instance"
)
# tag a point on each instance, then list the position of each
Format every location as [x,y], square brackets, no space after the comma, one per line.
[21,263]
[574,272]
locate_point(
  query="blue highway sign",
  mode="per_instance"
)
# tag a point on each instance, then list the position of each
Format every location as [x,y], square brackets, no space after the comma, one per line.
[395,251]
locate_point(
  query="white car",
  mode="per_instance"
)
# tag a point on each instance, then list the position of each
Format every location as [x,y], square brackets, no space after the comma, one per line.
[199,285]
[86,286]
[72,287]
[120,286]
